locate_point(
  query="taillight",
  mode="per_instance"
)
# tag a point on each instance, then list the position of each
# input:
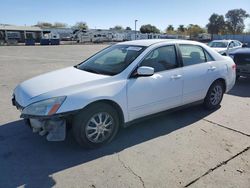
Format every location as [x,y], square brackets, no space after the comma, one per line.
[234,66]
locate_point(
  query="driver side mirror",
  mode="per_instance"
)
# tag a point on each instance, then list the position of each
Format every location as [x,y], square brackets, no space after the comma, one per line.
[145,71]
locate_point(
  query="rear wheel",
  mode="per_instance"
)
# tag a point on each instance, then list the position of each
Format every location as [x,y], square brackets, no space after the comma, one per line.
[96,125]
[214,95]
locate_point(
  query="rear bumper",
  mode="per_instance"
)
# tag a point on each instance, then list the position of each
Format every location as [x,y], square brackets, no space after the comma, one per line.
[239,72]
[230,82]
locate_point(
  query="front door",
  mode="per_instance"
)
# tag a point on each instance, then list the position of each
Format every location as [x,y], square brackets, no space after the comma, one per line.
[159,92]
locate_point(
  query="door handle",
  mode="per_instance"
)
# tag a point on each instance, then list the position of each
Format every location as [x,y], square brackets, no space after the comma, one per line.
[212,68]
[176,76]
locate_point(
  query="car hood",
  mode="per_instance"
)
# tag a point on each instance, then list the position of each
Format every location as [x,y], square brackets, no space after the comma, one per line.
[220,49]
[52,81]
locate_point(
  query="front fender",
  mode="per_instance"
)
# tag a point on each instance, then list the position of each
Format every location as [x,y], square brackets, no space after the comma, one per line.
[115,92]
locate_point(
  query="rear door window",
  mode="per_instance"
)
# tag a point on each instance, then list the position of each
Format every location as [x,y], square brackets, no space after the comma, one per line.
[208,56]
[192,54]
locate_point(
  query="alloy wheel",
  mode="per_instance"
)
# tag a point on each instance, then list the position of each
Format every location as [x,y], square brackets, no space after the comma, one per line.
[216,95]
[99,127]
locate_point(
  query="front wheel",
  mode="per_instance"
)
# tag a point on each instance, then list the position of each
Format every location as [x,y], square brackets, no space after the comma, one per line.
[214,95]
[96,125]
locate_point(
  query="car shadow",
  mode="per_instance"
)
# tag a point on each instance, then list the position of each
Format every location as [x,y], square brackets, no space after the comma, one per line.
[28,159]
[241,88]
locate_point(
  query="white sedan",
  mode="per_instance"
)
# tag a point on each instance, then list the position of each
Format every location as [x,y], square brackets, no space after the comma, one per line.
[120,84]
[224,47]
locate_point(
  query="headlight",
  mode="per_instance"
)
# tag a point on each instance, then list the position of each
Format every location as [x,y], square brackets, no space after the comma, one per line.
[45,107]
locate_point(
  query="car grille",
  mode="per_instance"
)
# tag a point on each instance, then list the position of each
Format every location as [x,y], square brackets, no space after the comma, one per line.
[242,59]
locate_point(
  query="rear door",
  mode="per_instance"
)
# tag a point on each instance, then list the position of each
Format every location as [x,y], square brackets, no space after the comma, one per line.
[198,71]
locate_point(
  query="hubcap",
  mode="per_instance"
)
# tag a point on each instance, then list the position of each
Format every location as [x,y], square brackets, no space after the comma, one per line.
[99,127]
[216,95]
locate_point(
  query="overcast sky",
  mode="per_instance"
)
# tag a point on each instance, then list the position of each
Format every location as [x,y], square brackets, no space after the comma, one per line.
[108,13]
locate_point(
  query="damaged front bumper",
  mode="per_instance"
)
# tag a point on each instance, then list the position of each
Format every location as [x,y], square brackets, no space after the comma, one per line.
[53,127]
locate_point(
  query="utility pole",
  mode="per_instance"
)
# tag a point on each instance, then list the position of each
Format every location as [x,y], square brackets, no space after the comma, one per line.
[135,29]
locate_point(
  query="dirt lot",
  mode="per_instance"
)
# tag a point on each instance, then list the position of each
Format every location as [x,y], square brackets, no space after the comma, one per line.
[188,148]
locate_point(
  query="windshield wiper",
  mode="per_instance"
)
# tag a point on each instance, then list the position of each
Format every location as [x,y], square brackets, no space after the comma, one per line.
[91,70]
[95,71]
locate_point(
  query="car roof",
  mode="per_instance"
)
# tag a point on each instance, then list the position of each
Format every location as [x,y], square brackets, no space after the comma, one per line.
[157,42]
[149,42]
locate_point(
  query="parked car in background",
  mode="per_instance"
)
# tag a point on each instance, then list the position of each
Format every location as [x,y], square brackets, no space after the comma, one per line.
[224,47]
[241,58]
[121,84]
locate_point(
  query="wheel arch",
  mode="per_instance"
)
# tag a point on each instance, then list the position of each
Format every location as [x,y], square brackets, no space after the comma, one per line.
[223,81]
[113,104]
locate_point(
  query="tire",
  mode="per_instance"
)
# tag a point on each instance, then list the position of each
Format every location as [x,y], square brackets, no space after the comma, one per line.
[95,125]
[214,96]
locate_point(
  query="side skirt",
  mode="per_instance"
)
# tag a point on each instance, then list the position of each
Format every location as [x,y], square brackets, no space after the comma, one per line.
[127,124]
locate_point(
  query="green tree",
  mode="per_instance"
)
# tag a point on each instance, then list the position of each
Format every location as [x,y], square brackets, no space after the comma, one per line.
[181,29]
[117,27]
[59,25]
[235,20]
[50,25]
[216,24]
[248,29]
[80,26]
[128,28]
[170,29]
[44,25]
[149,29]
[194,30]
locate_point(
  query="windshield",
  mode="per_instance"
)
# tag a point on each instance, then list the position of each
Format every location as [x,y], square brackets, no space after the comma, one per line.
[111,60]
[218,44]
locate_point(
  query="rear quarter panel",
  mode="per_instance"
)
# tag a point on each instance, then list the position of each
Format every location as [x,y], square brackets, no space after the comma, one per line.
[227,72]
